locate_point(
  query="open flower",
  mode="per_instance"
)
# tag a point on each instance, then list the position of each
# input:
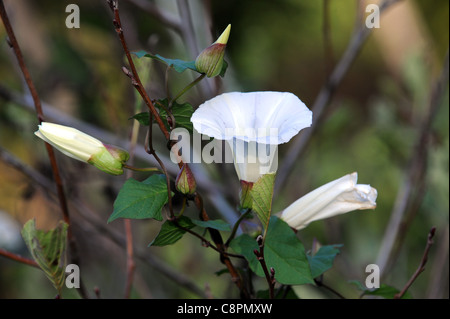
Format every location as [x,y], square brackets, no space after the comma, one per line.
[83,147]
[337,197]
[253,124]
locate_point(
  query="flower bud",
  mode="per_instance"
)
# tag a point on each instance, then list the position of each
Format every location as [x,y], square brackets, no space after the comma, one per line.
[185,182]
[210,60]
[334,198]
[83,147]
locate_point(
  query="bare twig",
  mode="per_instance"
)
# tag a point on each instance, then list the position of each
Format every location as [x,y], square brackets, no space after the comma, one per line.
[422,264]
[18,258]
[134,76]
[414,172]
[40,115]
[320,283]
[360,34]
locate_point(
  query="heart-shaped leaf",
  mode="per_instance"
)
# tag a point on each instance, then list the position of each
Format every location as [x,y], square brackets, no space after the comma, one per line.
[139,200]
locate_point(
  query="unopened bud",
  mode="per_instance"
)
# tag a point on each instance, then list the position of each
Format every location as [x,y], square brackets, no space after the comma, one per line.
[185,182]
[83,147]
[210,60]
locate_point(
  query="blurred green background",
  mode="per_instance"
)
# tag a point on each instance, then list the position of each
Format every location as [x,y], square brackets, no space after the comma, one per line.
[370,126]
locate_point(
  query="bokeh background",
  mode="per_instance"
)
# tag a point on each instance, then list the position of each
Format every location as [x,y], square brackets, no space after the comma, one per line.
[371,125]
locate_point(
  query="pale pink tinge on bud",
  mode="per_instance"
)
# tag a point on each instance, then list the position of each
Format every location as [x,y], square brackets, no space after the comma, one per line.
[210,60]
[185,181]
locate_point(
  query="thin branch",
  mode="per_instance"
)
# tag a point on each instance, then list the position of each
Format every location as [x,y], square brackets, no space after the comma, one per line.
[270,277]
[131,265]
[320,283]
[414,171]
[40,115]
[422,264]
[18,258]
[297,146]
[133,75]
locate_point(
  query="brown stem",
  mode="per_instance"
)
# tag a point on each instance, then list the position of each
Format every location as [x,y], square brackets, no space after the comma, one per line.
[422,264]
[18,258]
[131,265]
[40,115]
[270,277]
[134,76]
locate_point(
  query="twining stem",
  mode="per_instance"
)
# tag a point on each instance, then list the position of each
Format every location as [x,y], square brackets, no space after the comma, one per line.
[51,154]
[150,150]
[182,208]
[236,227]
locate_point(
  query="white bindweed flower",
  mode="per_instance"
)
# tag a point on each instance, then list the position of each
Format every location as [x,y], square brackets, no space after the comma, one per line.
[337,197]
[83,147]
[253,124]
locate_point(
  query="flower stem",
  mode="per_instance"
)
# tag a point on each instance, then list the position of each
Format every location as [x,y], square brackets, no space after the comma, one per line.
[144,169]
[236,226]
[187,88]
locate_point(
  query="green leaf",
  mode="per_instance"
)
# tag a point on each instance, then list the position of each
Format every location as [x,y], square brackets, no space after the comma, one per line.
[170,233]
[224,69]
[385,291]
[215,224]
[181,112]
[139,200]
[261,194]
[178,65]
[282,250]
[48,250]
[143,118]
[323,259]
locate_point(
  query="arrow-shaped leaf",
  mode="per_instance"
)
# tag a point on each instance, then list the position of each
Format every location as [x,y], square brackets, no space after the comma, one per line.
[48,250]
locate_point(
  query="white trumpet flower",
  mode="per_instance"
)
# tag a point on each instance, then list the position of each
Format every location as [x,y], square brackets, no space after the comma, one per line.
[337,197]
[253,124]
[83,147]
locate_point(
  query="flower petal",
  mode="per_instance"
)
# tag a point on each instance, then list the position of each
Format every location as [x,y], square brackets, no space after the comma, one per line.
[337,197]
[253,116]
